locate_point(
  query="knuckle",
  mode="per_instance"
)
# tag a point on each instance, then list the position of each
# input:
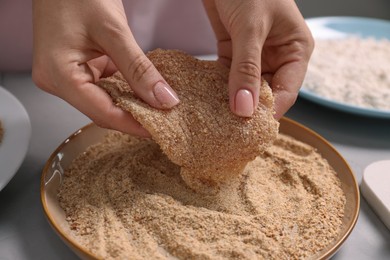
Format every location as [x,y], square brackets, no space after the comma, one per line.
[249,69]
[39,77]
[139,67]
[53,80]
[254,29]
[311,43]
[75,79]
[302,51]
[289,98]
[105,116]
[114,30]
[292,99]
[101,122]
[308,37]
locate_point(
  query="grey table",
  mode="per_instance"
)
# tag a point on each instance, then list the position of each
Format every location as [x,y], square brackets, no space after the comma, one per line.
[25,233]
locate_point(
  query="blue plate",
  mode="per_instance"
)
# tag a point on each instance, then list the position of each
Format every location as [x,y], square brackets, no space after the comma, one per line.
[341,27]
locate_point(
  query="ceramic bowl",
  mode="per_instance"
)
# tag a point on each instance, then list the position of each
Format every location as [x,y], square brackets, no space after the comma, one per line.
[78,142]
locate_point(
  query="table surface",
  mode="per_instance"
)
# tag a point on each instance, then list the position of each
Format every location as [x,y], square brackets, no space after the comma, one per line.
[25,233]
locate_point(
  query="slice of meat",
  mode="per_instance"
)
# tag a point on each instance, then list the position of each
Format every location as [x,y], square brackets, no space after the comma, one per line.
[201,134]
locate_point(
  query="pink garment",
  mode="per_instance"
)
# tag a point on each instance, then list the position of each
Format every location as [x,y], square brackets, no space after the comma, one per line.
[168,24]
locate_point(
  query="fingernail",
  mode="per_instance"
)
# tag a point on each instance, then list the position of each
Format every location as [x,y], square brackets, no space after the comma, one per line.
[244,103]
[165,95]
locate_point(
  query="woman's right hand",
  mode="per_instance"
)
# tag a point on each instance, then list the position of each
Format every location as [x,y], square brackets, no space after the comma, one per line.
[76,43]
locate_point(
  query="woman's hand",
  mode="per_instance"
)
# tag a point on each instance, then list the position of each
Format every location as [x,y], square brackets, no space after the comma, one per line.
[77,42]
[257,38]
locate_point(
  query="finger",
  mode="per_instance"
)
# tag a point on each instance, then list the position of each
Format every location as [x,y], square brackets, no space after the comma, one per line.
[95,103]
[216,23]
[224,47]
[285,84]
[137,69]
[245,72]
[101,67]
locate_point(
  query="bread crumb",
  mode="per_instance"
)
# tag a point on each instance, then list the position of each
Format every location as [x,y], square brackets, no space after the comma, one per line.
[130,198]
[124,199]
[351,70]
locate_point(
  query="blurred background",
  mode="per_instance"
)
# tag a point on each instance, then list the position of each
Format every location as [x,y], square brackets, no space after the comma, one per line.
[25,233]
[368,8]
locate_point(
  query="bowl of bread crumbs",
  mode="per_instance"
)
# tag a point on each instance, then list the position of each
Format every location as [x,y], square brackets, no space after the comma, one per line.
[113,196]
[350,64]
[207,185]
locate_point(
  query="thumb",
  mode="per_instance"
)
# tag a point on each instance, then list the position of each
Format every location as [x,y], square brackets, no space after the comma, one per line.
[245,74]
[138,70]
